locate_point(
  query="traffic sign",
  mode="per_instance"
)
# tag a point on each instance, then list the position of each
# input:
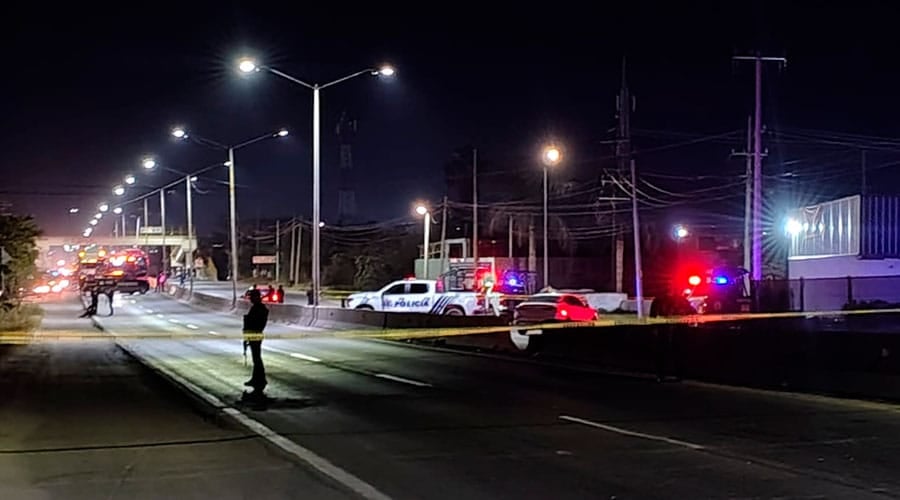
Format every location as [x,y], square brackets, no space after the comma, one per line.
[264,259]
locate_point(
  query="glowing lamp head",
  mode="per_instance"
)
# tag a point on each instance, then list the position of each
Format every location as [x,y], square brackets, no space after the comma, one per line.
[694,280]
[282,133]
[117,210]
[93,222]
[793,227]
[179,133]
[149,163]
[118,190]
[552,155]
[129,179]
[247,65]
[73,210]
[104,207]
[385,70]
[98,215]
[681,232]
[421,210]
[321,224]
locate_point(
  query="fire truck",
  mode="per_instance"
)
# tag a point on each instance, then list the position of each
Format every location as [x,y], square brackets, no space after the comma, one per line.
[126,269]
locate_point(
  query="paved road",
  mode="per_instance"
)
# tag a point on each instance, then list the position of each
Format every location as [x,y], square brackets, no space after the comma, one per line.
[83,420]
[418,423]
[224,289]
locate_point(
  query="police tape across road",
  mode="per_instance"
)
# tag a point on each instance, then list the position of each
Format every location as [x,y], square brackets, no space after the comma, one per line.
[426,333]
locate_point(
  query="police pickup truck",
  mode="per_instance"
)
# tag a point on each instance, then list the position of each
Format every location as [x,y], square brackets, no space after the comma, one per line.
[418,296]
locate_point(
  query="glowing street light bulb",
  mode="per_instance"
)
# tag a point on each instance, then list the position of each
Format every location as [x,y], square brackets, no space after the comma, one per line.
[118,190]
[247,65]
[386,71]
[179,133]
[104,207]
[129,179]
[793,227]
[93,222]
[149,163]
[321,223]
[98,216]
[73,210]
[117,210]
[282,133]
[552,155]
[681,232]
[421,210]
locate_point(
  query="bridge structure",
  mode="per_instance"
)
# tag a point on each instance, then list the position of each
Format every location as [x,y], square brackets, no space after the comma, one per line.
[52,249]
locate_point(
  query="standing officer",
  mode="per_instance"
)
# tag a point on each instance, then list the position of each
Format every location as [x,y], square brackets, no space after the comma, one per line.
[254,323]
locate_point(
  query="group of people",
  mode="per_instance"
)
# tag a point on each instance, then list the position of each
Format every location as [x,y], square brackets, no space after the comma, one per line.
[95,292]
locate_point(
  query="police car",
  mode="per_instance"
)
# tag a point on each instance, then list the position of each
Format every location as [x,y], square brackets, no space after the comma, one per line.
[417,296]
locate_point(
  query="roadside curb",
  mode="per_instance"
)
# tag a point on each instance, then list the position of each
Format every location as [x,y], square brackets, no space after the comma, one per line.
[218,409]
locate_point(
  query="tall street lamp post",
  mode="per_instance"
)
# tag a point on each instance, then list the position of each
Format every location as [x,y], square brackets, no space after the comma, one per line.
[426,217]
[247,65]
[551,156]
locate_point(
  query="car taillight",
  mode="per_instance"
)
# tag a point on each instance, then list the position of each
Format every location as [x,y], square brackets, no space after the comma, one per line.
[274,297]
[562,313]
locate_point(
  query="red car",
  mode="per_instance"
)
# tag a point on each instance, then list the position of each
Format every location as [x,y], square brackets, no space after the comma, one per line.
[546,307]
[273,297]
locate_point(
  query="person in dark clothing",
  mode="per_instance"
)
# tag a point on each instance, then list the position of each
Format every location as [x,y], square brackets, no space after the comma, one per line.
[254,323]
[92,308]
[109,297]
[270,293]
[280,294]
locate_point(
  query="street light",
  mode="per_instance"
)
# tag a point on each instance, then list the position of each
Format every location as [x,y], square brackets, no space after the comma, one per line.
[423,211]
[93,222]
[129,179]
[680,232]
[104,207]
[98,215]
[182,134]
[793,227]
[248,65]
[551,157]
[119,190]
[73,210]
[149,163]
[117,210]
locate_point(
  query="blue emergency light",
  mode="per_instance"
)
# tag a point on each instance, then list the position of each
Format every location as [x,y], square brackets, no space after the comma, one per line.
[720,280]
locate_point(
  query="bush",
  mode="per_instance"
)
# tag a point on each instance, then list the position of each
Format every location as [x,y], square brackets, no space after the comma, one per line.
[24,317]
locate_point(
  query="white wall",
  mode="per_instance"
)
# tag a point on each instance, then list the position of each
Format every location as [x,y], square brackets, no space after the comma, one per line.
[841,266]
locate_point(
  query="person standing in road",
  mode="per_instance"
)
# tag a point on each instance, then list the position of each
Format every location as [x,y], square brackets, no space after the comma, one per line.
[110,291]
[280,294]
[254,323]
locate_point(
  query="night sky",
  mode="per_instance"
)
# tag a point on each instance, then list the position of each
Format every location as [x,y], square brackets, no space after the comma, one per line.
[87,92]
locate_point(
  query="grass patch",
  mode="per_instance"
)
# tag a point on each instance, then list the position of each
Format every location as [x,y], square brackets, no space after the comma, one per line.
[19,318]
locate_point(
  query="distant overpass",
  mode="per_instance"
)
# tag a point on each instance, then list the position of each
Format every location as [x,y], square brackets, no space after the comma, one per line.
[53,248]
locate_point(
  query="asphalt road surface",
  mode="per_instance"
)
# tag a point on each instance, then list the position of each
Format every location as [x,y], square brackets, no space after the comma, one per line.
[393,421]
[83,420]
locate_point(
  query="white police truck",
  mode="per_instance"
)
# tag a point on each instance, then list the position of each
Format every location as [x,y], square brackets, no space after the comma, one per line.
[418,296]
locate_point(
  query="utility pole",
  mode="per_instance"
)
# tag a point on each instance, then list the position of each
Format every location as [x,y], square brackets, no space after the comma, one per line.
[624,105]
[756,233]
[299,251]
[162,218]
[862,164]
[291,277]
[475,209]
[277,251]
[444,237]
[532,250]
[509,252]
[638,272]
[748,197]
[189,257]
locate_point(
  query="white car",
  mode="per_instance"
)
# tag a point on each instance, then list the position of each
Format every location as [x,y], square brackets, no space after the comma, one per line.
[417,296]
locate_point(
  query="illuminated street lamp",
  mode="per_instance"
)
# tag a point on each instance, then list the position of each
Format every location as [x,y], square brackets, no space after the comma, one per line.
[117,210]
[248,65]
[119,190]
[150,163]
[793,227]
[93,222]
[551,157]
[422,210]
[680,232]
[98,215]
[73,210]
[129,179]
[182,134]
[104,207]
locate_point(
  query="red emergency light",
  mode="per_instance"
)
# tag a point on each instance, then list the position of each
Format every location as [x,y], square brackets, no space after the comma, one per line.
[694,280]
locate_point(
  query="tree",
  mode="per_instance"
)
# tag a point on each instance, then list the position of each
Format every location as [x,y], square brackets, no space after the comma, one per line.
[18,235]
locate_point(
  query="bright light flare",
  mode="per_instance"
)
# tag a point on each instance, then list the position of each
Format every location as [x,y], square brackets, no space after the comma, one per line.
[150,163]
[179,133]
[282,133]
[73,210]
[552,155]
[42,289]
[421,209]
[129,179]
[93,222]
[386,70]
[247,65]
[681,232]
[793,227]
[60,262]
[103,207]
[119,190]
[117,210]
[694,280]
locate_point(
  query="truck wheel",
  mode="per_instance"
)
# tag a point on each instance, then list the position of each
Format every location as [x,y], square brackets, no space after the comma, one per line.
[454,311]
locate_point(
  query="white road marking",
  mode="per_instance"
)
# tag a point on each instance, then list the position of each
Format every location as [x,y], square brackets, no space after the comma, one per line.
[402,380]
[192,327]
[133,301]
[160,316]
[304,357]
[211,332]
[626,432]
[149,311]
[355,484]
[173,320]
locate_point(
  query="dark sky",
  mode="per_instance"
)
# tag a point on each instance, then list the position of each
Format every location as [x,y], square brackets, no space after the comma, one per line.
[88,91]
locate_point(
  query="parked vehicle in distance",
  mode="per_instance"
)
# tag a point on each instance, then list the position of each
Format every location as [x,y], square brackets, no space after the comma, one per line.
[549,307]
